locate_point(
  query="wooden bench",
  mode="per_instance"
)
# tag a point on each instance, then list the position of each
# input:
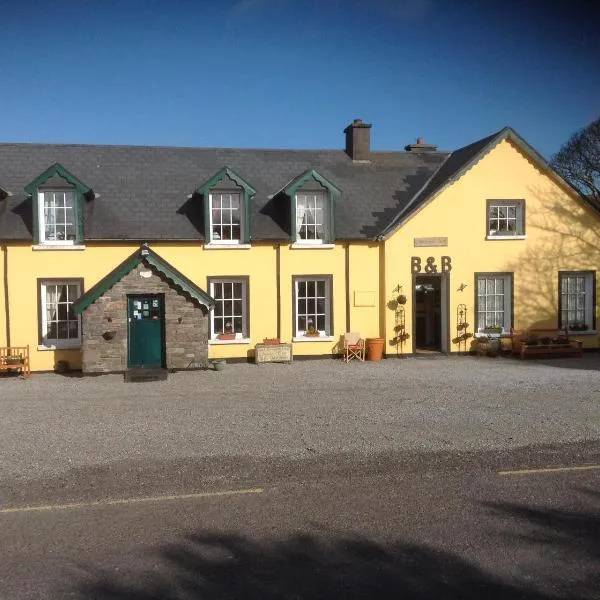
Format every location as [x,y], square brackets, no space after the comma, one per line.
[548,342]
[15,358]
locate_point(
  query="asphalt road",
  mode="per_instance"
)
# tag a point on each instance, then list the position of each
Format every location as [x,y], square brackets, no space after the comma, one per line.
[395,524]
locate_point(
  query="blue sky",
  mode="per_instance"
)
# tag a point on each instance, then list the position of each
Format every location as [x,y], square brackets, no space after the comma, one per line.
[294,73]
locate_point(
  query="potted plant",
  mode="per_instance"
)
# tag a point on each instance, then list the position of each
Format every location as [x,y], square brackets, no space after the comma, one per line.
[227,333]
[401,299]
[532,339]
[271,341]
[13,359]
[494,330]
[311,330]
[578,327]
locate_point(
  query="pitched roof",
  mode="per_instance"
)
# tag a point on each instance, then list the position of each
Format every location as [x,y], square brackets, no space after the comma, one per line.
[146,193]
[460,161]
[149,257]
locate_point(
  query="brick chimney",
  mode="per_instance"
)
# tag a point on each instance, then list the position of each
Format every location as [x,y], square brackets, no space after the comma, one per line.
[358,140]
[421,146]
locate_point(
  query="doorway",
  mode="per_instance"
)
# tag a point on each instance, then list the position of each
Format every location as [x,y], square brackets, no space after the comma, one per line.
[145,316]
[430,313]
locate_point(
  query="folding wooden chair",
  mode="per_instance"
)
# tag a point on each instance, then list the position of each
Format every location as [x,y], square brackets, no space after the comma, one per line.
[354,346]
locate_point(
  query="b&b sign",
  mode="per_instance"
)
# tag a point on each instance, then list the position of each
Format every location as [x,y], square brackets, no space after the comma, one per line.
[430,266]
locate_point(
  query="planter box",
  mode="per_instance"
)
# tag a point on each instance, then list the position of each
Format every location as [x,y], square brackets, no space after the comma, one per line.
[264,353]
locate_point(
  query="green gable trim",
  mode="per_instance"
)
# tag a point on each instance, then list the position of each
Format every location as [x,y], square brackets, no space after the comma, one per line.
[333,193]
[293,186]
[59,170]
[248,192]
[81,190]
[225,172]
[150,258]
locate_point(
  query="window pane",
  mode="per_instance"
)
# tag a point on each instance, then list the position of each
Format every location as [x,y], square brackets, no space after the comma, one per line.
[237,290]
[310,288]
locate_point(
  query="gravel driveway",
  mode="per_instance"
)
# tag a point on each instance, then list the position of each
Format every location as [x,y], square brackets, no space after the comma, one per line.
[51,423]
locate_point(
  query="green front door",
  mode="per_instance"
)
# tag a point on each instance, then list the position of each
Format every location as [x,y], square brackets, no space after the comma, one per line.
[145,316]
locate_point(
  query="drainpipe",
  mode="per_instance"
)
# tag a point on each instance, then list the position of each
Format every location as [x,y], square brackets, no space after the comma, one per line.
[5,285]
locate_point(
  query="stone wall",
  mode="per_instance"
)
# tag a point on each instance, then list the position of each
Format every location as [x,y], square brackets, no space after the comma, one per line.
[104,325]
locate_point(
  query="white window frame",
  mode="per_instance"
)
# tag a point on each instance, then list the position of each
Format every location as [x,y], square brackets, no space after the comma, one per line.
[42,217]
[212,197]
[48,342]
[507,303]
[509,206]
[582,298]
[300,201]
[327,280]
[219,281]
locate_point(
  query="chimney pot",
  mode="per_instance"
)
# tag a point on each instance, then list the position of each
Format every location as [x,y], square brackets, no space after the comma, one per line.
[358,140]
[421,146]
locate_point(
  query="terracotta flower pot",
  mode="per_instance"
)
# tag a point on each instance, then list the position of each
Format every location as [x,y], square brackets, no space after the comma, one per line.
[375,348]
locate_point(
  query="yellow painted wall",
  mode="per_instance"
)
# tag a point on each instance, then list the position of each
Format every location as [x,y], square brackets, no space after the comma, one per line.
[561,234]
[3,342]
[258,263]
[313,261]
[364,287]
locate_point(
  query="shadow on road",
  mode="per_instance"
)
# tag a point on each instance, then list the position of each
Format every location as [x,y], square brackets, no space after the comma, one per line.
[210,566]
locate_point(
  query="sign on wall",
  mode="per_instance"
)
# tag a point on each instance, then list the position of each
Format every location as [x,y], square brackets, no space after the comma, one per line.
[430,266]
[424,242]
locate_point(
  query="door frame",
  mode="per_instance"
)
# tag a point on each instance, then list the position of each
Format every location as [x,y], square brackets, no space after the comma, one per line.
[163,349]
[444,310]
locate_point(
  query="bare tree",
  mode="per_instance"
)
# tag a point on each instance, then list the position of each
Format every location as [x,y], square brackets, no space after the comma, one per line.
[578,161]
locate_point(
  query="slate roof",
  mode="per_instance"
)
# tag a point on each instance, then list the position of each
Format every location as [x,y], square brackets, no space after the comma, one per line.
[143,193]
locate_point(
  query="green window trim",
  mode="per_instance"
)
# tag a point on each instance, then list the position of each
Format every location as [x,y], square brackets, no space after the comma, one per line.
[81,191]
[247,192]
[333,193]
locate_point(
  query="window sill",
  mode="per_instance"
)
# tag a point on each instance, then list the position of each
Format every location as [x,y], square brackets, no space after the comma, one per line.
[226,342]
[586,332]
[505,237]
[212,246]
[323,338]
[299,245]
[43,348]
[58,247]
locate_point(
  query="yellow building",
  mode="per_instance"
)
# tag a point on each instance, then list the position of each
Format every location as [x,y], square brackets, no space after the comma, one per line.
[116,257]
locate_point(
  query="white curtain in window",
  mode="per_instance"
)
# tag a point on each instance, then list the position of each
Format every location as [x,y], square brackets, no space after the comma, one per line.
[300,212]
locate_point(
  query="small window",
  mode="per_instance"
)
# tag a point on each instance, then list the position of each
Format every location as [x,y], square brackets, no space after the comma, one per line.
[311,218]
[506,218]
[60,327]
[225,217]
[312,306]
[229,318]
[577,300]
[494,303]
[58,217]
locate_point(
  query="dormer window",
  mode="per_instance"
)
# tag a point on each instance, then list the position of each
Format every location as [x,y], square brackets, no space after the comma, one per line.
[58,217]
[311,218]
[226,197]
[313,202]
[225,217]
[58,199]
